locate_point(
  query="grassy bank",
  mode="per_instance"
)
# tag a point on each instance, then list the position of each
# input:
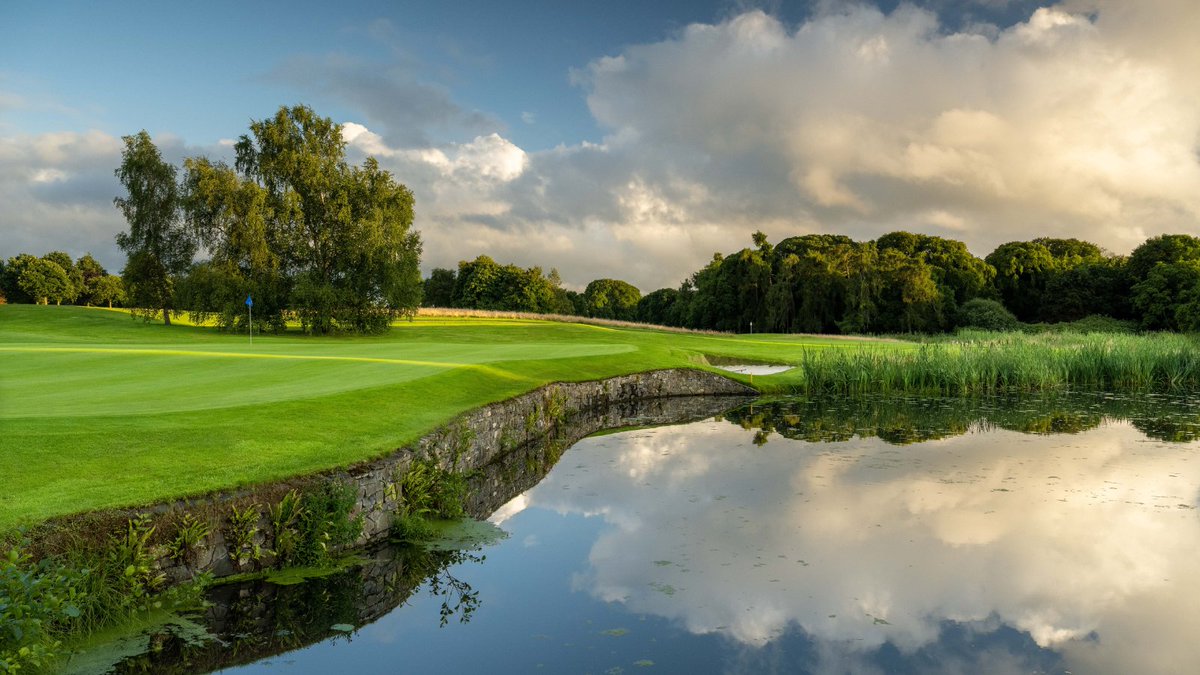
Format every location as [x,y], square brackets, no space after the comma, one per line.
[98,410]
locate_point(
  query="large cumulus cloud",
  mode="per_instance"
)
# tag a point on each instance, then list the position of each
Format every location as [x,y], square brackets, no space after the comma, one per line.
[1082,120]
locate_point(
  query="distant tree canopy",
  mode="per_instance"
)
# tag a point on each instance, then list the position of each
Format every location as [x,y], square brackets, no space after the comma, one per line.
[1040,280]
[25,278]
[291,224]
[483,283]
[611,299]
[828,283]
[905,282]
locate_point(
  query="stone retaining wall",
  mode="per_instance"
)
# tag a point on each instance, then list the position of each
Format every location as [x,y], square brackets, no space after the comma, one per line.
[486,444]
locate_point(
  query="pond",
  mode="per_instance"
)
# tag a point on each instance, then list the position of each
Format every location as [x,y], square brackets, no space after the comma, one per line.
[1046,535]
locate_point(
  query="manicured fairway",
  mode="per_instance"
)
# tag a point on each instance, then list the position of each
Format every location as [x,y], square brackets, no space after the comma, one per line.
[98,410]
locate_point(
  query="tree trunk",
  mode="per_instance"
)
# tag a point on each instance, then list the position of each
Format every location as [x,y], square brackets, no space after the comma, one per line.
[166,317]
[110,304]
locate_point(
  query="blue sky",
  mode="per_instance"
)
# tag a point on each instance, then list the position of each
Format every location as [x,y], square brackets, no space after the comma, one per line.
[632,138]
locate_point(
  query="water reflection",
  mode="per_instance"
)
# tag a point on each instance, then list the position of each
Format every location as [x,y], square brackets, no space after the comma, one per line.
[912,420]
[252,620]
[1055,534]
[1084,543]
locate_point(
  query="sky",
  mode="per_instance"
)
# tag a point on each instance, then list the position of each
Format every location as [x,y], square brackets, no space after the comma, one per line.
[627,139]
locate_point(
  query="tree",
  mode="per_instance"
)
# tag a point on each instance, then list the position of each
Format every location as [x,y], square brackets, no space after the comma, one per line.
[657,307]
[228,215]
[10,280]
[45,281]
[612,299]
[476,283]
[74,276]
[90,273]
[960,275]
[157,245]
[108,289]
[344,233]
[1167,288]
[1167,248]
[439,288]
[1022,271]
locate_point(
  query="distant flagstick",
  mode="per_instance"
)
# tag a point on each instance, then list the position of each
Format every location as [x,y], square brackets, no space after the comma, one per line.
[250,309]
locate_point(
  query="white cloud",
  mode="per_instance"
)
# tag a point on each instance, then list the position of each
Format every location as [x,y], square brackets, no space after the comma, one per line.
[859,122]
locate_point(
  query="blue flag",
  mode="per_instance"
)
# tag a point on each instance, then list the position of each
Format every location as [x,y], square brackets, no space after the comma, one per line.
[249,302]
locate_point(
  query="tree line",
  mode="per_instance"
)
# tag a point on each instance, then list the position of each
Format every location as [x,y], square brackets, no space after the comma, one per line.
[55,278]
[483,283]
[905,282]
[899,283]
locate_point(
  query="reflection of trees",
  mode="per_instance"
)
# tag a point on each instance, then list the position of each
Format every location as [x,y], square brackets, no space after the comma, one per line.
[901,421]
[257,619]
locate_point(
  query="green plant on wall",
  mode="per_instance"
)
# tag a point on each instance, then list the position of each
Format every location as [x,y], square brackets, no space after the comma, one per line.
[190,535]
[137,565]
[285,519]
[316,523]
[426,492]
[241,537]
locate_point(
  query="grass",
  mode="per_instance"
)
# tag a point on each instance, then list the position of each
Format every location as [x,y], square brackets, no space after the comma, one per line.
[984,363]
[98,410]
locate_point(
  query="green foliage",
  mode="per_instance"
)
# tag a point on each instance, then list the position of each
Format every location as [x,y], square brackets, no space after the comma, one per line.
[439,288]
[157,244]
[109,290]
[132,558]
[286,516]
[74,287]
[241,536]
[91,272]
[1167,249]
[986,315]
[320,523]
[188,537]
[658,307]
[612,299]
[1167,295]
[1095,323]
[45,281]
[427,491]
[37,601]
[341,234]
[484,284]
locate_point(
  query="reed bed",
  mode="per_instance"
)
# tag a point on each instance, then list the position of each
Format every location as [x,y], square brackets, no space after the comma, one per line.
[983,363]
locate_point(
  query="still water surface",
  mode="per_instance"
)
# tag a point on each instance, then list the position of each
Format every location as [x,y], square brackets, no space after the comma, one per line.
[1045,536]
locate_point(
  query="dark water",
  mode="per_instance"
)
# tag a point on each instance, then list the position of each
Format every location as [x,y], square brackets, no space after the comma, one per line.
[1009,536]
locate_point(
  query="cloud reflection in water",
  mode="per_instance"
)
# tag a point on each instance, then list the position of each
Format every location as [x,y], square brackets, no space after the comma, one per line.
[1085,542]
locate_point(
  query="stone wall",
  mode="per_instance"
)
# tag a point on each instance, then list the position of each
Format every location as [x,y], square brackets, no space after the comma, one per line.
[495,446]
